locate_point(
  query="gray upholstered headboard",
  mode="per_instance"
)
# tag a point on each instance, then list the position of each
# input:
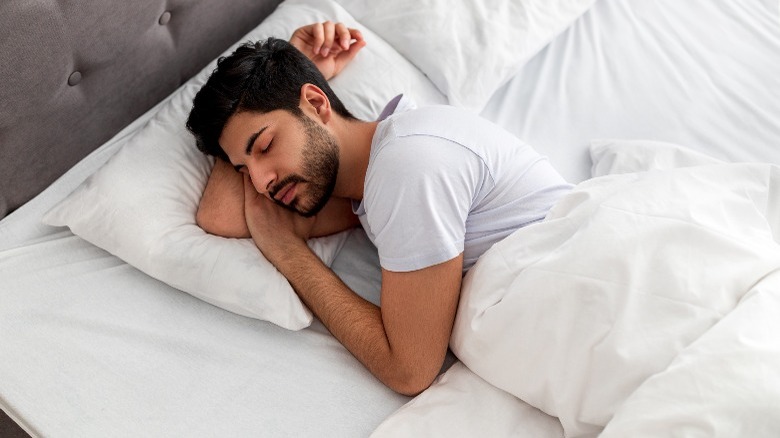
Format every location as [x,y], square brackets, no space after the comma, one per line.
[73,73]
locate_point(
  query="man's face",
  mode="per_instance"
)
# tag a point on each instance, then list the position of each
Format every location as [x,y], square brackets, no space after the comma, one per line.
[292,160]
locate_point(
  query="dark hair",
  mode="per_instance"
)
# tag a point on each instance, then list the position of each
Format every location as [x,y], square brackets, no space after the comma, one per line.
[261,77]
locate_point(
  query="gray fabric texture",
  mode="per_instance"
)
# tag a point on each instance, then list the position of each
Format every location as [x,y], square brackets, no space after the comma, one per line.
[72,74]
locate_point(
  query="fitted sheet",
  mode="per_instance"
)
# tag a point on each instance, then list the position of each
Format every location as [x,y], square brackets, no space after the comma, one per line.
[703,74]
[97,346]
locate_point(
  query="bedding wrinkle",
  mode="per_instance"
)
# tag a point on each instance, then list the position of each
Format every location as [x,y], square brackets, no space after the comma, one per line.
[715,69]
[672,48]
[725,382]
[549,69]
[769,204]
[39,239]
[752,218]
[78,258]
[656,261]
[756,287]
[212,268]
[765,22]
[565,59]
[509,260]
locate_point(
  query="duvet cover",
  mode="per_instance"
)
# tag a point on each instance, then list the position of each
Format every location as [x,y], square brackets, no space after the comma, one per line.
[645,304]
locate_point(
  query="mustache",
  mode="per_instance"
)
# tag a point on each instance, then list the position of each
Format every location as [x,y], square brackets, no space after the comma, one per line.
[294,178]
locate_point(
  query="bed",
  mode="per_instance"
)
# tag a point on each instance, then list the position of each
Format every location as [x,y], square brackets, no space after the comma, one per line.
[104,336]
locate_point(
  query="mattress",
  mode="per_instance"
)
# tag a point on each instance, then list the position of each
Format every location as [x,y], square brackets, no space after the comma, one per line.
[93,346]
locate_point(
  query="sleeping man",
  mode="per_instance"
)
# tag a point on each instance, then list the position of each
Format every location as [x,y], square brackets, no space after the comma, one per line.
[433,188]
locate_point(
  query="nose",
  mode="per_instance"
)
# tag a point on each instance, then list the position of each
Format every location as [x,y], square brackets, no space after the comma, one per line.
[262,176]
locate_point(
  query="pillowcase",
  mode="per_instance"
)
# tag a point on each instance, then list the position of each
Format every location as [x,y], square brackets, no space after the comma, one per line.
[612,156]
[469,49]
[141,205]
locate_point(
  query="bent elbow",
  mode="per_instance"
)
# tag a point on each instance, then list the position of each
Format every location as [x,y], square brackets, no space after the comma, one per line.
[202,219]
[412,382]
[411,389]
[206,220]
[218,224]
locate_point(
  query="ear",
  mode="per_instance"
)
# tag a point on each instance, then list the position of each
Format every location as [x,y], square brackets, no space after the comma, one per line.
[315,103]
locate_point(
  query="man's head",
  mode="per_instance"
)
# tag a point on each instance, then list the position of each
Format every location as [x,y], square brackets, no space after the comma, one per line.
[291,159]
[257,77]
[254,100]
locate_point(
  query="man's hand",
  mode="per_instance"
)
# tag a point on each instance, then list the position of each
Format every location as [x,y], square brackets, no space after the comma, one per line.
[273,228]
[331,46]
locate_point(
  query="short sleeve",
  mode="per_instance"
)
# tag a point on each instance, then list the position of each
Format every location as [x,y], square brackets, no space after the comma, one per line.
[418,193]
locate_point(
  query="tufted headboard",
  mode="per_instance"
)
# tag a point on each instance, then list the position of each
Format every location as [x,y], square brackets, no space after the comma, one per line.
[74,73]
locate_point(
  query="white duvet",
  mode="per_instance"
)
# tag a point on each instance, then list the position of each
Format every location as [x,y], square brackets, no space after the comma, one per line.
[646,304]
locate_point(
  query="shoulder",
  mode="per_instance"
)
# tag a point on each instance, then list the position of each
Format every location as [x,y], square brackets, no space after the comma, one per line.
[432,126]
[456,125]
[441,120]
[418,156]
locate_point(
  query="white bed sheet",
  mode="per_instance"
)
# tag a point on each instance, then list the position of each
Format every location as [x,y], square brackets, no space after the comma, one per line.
[91,345]
[703,74]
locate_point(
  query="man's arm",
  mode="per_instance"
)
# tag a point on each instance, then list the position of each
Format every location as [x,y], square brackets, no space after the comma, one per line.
[221,208]
[404,342]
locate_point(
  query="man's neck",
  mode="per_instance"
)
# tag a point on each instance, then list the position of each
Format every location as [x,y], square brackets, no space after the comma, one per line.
[355,138]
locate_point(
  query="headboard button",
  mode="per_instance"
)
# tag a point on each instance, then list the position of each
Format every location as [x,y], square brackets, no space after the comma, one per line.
[74,78]
[164,18]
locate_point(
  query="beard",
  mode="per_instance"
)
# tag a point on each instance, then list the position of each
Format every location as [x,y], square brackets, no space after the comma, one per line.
[320,169]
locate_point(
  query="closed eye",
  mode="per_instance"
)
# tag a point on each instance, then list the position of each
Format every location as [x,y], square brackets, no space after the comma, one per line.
[267,148]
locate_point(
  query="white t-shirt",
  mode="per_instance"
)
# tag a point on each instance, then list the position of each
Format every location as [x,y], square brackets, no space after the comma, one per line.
[442,181]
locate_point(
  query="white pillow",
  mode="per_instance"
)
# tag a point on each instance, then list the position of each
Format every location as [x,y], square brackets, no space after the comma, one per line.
[468,49]
[462,404]
[141,205]
[613,156]
[377,74]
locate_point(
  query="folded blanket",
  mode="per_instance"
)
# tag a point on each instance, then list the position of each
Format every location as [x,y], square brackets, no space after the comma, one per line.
[649,299]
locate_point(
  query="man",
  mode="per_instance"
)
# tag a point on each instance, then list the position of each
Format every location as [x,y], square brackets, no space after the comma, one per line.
[433,187]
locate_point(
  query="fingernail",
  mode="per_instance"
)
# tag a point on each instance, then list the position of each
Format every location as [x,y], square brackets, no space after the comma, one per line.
[325,51]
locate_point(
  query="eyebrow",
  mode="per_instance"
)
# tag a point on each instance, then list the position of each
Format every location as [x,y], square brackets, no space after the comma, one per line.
[250,144]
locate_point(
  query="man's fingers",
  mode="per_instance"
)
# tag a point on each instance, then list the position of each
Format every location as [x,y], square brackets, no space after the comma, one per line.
[347,55]
[344,36]
[355,35]
[328,40]
[329,29]
[318,37]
